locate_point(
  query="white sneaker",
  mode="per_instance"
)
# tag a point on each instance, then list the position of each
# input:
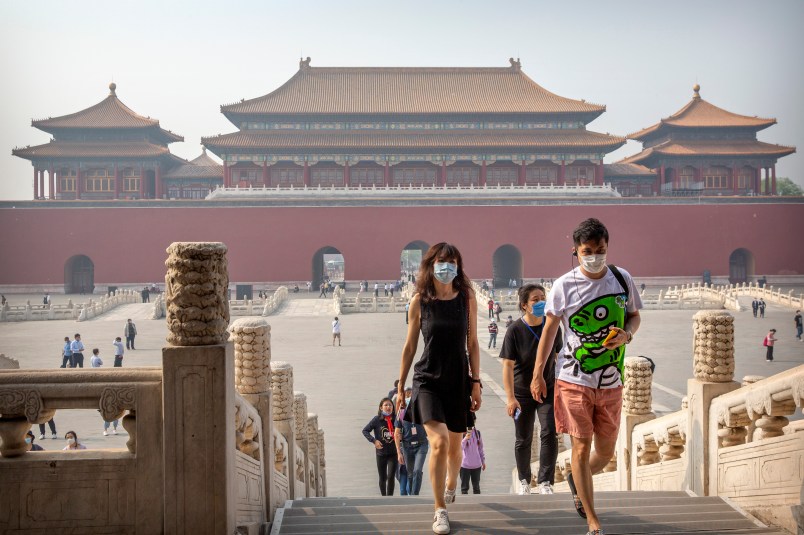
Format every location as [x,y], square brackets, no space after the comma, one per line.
[114,431]
[54,437]
[441,521]
[449,496]
[524,488]
[42,436]
[105,433]
[545,488]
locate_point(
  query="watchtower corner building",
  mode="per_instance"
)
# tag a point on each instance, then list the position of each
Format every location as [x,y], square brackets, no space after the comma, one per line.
[350,173]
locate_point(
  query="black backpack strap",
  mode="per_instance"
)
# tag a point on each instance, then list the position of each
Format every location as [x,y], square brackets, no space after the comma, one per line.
[620,279]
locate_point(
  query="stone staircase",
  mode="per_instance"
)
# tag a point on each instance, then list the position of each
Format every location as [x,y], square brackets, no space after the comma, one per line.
[621,512]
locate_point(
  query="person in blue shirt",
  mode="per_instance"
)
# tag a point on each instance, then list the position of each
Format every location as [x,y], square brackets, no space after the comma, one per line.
[67,354]
[412,445]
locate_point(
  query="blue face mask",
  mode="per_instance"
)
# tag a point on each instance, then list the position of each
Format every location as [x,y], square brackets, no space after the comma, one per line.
[538,309]
[28,440]
[445,272]
[384,413]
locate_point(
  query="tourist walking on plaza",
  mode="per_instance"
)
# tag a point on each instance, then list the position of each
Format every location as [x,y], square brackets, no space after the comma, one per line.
[493,334]
[474,460]
[799,325]
[590,302]
[445,395]
[411,442]
[380,432]
[77,348]
[72,442]
[755,307]
[118,352]
[67,354]
[761,308]
[130,331]
[146,295]
[770,339]
[497,311]
[519,359]
[323,288]
[52,424]
[490,304]
[336,331]
[29,442]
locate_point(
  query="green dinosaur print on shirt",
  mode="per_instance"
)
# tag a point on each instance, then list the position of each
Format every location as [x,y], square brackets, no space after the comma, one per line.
[592,324]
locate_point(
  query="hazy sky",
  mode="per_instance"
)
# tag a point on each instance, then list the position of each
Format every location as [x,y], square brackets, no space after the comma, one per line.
[179,61]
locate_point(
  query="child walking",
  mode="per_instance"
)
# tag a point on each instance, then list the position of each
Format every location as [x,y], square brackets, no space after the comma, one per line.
[96,362]
[474,461]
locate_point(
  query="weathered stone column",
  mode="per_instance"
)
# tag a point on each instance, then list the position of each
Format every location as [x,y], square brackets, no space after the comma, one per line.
[300,419]
[713,354]
[637,408]
[252,369]
[198,393]
[312,447]
[322,464]
[282,408]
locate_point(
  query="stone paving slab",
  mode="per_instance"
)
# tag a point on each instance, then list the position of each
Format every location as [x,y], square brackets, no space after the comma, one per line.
[344,384]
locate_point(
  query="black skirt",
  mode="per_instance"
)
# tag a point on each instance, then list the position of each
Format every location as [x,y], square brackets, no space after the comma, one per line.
[428,405]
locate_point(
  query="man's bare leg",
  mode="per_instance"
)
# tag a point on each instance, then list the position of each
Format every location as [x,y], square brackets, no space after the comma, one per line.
[585,463]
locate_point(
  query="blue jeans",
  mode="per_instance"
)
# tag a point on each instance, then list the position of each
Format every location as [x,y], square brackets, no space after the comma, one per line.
[414,462]
[404,482]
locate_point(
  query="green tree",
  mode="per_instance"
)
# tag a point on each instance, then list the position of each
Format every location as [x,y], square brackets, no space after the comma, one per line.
[785,186]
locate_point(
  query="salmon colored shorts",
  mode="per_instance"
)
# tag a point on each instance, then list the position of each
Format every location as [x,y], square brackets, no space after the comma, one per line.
[583,412]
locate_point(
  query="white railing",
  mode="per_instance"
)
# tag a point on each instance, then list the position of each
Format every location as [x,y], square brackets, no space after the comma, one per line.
[258,307]
[78,312]
[411,191]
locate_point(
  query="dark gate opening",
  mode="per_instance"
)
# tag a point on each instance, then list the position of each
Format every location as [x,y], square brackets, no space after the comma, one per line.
[506,265]
[79,275]
[328,264]
[411,258]
[741,266]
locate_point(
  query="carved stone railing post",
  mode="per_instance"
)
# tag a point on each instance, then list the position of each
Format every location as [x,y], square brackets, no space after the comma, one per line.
[252,370]
[322,464]
[198,393]
[713,368]
[313,455]
[637,400]
[284,416]
[300,419]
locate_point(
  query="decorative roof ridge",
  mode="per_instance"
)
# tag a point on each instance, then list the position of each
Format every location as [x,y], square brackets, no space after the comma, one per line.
[111,97]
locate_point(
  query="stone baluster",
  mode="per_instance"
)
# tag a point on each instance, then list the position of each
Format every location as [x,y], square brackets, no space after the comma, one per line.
[313,454]
[749,380]
[672,447]
[282,402]
[637,402]
[300,420]
[648,453]
[713,369]
[198,395]
[322,464]
[252,339]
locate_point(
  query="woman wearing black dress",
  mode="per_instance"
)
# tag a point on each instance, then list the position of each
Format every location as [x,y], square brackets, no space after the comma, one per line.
[446,384]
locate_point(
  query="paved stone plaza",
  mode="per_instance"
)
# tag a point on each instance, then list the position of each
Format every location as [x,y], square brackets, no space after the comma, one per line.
[344,384]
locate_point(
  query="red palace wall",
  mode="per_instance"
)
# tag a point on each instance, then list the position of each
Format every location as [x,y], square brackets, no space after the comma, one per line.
[127,245]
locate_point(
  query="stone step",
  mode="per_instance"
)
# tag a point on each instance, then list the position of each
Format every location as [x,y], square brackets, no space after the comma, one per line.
[621,513]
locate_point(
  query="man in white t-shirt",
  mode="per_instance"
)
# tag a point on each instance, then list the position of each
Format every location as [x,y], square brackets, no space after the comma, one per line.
[590,303]
[336,331]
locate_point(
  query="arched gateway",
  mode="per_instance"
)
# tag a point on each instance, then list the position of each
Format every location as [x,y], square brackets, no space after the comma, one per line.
[412,256]
[741,266]
[506,265]
[79,275]
[328,263]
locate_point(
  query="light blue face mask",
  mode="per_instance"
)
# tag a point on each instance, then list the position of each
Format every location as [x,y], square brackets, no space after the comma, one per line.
[386,413]
[538,309]
[445,272]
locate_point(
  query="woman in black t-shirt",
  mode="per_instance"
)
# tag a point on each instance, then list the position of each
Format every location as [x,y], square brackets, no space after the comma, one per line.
[519,359]
[380,432]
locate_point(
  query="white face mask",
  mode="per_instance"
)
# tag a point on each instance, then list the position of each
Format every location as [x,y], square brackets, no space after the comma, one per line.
[593,263]
[71,441]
